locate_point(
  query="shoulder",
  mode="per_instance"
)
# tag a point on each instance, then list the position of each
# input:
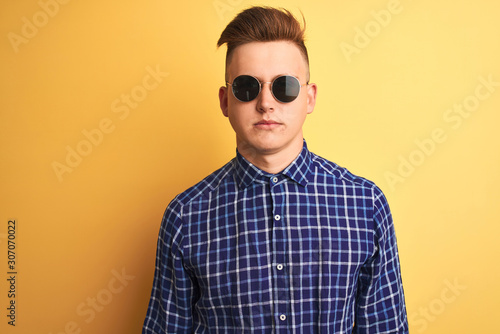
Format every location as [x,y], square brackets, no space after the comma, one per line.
[355,186]
[340,174]
[172,221]
[209,184]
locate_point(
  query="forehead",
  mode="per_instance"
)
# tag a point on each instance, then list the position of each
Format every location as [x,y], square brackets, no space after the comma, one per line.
[265,60]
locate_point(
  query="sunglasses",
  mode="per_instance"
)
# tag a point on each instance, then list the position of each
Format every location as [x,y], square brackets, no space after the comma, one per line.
[284,88]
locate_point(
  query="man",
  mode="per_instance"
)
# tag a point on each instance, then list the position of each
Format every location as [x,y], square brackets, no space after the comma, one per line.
[279,239]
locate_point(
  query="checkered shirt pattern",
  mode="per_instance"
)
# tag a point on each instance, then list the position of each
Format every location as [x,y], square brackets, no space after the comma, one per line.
[309,250]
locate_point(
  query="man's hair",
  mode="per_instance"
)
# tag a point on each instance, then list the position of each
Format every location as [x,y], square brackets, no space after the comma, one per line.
[263,24]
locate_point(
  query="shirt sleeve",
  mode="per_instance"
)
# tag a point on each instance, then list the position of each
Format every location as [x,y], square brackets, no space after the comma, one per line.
[170,306]
[380,304]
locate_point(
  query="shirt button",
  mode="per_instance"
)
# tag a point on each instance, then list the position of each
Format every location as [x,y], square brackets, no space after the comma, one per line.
[282,317]
[275,179]
[277,217]
[279,266]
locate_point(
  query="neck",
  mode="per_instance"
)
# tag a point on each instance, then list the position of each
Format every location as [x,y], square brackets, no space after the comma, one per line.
[271,161]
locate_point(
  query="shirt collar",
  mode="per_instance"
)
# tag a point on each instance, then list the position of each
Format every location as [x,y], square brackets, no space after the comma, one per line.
[299,170]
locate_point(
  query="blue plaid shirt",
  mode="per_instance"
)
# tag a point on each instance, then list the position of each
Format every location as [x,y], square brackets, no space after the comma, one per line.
[309,250]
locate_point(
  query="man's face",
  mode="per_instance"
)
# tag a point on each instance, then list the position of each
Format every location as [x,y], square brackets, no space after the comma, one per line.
[265,126]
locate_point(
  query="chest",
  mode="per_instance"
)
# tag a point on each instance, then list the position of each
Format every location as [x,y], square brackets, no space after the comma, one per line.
[286,226]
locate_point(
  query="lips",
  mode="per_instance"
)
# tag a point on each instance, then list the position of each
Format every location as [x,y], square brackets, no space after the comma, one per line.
[264,122]
[267,124]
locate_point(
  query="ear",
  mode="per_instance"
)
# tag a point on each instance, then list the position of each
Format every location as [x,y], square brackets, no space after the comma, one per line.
[312,90]
[223,100]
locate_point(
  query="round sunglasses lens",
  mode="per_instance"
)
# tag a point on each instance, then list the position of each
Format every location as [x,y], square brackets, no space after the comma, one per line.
[246,88]
[286,88]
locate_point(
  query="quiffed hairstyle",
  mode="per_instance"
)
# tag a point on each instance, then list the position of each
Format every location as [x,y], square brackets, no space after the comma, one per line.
[263,24]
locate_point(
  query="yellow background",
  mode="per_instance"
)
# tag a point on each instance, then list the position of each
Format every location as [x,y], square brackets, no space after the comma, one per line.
[79,230]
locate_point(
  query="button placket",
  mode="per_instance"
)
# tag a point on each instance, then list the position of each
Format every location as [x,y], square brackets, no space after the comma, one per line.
[279,257]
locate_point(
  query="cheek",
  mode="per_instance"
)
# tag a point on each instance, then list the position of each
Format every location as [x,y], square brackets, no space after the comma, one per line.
[241,113]
[297,115]
[239,121]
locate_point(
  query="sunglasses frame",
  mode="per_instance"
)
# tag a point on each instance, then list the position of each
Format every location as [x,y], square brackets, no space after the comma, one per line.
[267,82]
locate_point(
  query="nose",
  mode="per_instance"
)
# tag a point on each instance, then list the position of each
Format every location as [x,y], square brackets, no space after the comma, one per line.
[266,99]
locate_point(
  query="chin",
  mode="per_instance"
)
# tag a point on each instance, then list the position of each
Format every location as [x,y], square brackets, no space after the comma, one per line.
[268,148]
[259,148]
